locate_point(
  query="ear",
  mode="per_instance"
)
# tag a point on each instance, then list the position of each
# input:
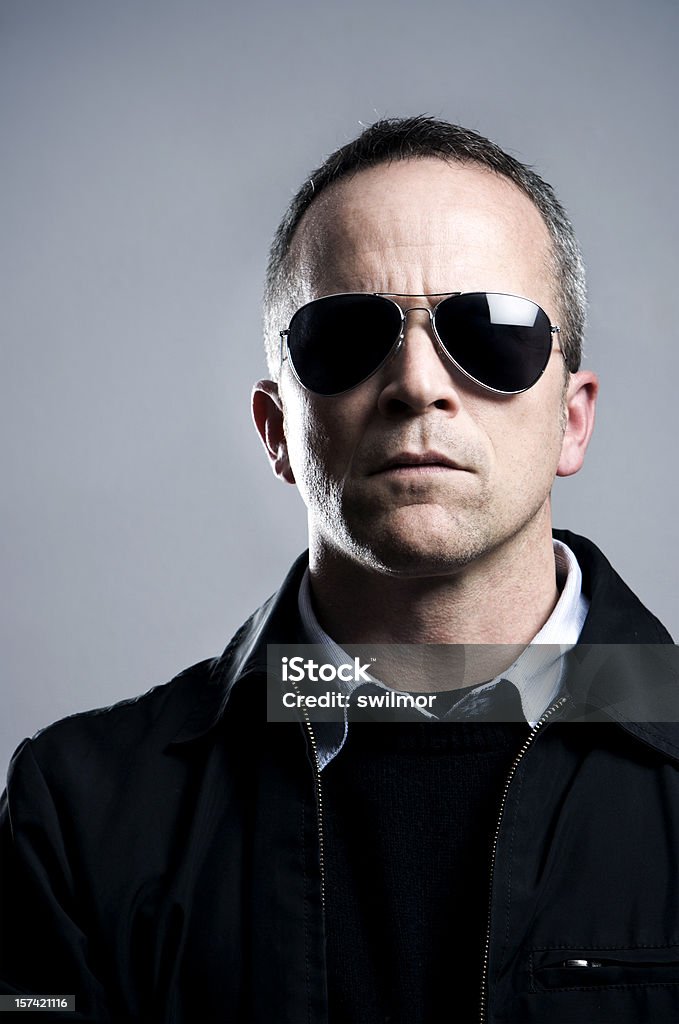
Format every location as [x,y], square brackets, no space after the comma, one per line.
[267,412]
[583,389]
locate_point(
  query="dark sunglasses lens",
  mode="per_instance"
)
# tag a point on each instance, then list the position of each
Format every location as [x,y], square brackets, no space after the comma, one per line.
[502,341]
[338,341]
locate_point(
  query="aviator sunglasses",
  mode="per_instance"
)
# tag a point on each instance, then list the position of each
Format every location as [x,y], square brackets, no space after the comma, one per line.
[502,342]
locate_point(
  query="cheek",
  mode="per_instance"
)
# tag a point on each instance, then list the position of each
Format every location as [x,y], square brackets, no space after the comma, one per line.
[526,443]
[323,436]
[309,433]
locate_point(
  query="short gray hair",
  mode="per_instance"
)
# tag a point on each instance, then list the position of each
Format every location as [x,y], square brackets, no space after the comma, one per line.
[412,138]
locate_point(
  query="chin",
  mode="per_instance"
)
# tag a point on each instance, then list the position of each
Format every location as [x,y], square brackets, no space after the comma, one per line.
[417,553]
[414,564]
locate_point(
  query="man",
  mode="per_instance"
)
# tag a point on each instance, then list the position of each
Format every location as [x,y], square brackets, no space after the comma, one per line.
[178,858]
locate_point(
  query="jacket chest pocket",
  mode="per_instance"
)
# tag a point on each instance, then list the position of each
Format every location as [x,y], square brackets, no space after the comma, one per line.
[579,969]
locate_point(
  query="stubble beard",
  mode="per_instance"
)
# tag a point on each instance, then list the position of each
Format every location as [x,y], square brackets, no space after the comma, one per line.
[408,541]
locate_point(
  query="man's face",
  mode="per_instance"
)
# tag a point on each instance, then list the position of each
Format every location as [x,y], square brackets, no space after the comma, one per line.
[421,227]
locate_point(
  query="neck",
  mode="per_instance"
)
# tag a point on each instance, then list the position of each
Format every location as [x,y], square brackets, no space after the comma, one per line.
[504,597]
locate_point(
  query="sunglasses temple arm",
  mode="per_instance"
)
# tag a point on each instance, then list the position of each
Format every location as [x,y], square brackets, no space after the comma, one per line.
[284,353]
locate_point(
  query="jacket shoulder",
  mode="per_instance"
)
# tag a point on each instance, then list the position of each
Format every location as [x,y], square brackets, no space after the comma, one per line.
[128,729]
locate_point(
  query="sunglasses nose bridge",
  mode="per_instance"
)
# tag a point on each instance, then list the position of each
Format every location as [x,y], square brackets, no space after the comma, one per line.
[433,334]
[415,309]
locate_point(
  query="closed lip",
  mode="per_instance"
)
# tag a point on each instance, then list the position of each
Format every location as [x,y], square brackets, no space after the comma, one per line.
[406,460]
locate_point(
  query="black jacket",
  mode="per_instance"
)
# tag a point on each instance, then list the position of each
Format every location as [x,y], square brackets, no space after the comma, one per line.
[160,858]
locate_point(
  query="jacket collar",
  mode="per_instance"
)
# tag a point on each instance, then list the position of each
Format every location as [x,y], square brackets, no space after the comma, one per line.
[616,616]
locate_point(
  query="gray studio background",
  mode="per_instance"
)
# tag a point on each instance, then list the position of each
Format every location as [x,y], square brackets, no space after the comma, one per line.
[148,150]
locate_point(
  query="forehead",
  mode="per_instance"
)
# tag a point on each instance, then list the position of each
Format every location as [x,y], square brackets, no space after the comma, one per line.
[423,225]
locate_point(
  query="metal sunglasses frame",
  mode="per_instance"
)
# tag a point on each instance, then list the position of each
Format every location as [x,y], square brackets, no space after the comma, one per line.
[398,342]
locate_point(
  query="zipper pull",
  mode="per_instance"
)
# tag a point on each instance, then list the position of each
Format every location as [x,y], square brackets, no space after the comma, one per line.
[582,963]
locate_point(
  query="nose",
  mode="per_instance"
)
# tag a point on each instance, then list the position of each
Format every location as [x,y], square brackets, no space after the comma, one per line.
[418,377]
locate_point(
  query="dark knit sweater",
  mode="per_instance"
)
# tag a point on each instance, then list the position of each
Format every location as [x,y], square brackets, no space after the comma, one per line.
[409,814]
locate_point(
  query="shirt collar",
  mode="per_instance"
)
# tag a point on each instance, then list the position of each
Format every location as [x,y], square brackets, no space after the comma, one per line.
[536,674]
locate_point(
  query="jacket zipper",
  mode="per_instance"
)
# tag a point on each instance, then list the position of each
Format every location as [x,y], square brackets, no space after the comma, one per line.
[519,757]
[512,772]
[319,795]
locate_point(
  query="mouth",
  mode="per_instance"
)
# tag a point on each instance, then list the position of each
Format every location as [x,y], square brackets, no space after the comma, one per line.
[417,463]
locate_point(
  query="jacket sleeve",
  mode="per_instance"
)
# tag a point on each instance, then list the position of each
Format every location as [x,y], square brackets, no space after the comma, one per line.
[43,941]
